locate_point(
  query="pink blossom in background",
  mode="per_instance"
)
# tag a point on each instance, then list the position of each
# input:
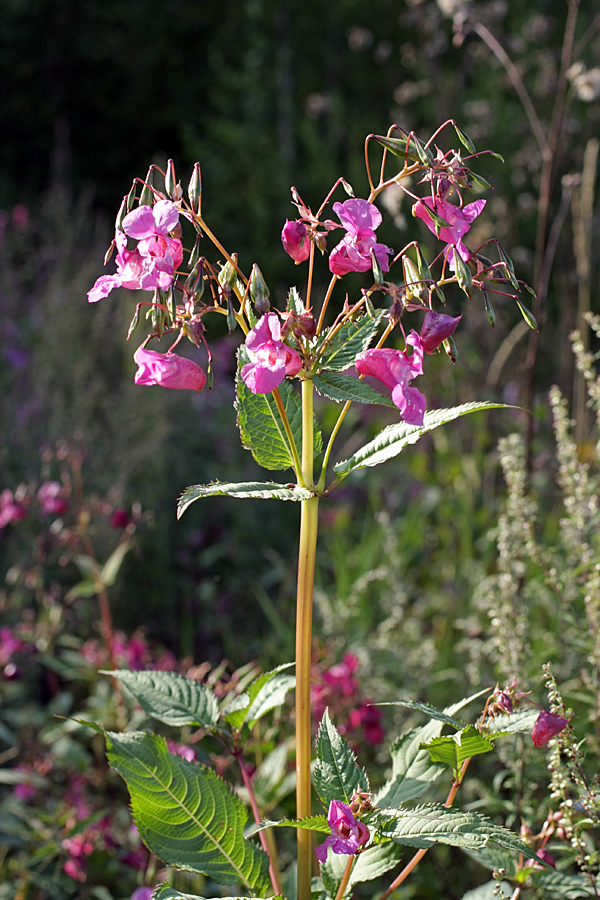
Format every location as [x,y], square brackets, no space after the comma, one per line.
[182,750]
[295,240]
[79,847]
[353,254]
[50,500]
[153,262]
[347,835]
[142,893]
[272,359]
[368,718]
[168,370]
[120,518]
[459,221]
[9,644]
[436,328]
[547,725]
[10,509]
[396,370]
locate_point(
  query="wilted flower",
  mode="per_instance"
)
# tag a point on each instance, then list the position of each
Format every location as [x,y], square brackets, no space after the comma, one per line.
[396,370]
[353,254]
[436,328]
[547,725]
[347,835]
[295,240]
[459,219]
[168,370]
[273,359]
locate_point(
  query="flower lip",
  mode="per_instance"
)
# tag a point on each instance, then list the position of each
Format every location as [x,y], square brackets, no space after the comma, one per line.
[396,370]
[347,834]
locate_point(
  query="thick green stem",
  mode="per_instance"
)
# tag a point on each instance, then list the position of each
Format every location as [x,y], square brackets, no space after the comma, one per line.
[306,576]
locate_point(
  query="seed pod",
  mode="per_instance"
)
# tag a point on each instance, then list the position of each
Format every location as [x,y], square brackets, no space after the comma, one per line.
[259,292]
[170,180]
[195,189]
[450,348]
[147,195]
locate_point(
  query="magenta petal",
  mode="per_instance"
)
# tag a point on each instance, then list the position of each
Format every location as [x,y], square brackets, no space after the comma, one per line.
[267,329]
[166,216]
[411,403]
[168,370]
[436,328]
[547,725]
[103,286]
[139,223]
[358,215]
[472,210]
[262,380]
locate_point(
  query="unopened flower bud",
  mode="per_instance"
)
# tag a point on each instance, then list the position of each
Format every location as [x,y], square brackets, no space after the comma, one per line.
[305,325]
[259,292]
[436,328]
[170,181]
[504,703]
[195,280]
[413,283]
[195,254]
[195,189]
[130,199]
[147,195]
[295,240]
[194,329]
[227,275]
[123,209]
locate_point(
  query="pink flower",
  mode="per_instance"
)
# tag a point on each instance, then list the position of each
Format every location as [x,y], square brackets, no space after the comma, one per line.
[10,509]
[396,370]
[547,725]
[153,262]
[294,238]
[50,500]
[368,718]
[436,328]
[273,359]
[347,835]
[168,370]
[142,893]
[459,221]
[120,518]
[353,254]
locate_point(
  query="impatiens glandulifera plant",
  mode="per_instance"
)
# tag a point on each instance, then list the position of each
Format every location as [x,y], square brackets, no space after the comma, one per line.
[184,812]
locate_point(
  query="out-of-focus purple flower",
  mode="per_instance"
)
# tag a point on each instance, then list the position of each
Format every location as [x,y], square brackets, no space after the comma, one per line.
[120,518]
[168,370]
[272,359]
[295,240]
[10,509]
[142,893]
[9,644]
[547,725]
[340,677]
[459,219]
[353,253]
[436,328]
[79,847]
[347,835]
[153,262]
[396,370]
[182,750]
[368,718]
[49,497]
[543,854]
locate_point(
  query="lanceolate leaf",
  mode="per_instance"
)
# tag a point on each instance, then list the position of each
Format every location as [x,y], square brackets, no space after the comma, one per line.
[264,694]
[310,823]
[261,428]
[245,490]
[337,775]
[431,824]
[430,711]
[341,388]
[455,749]
[352,338]
[186,814]
[393,439]
[171,698]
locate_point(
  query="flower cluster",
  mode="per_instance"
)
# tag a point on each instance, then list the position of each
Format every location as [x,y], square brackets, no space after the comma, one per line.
[338,689]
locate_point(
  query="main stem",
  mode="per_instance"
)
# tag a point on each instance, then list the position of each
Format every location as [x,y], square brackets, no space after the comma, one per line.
[306,577]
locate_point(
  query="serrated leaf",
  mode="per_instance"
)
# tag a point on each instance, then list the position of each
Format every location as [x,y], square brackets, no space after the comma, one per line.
[352,338]
[342,388]
[393,439]
[171,698]
[244,490]
[336,774]
[559,884]
[488,891]
[168,893]
[430,711]
[426,825]
[261,427]
[520,722]
[186,814]
[263,694]
[453,750]
[370,864]
[295,303]
[309,823]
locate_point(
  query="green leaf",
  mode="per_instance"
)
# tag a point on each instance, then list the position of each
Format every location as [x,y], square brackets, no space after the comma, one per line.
[487,891]
[171,698]
[309,823]
[186,814]
[527,315]
[168,893]
[295,303]
[430,824]
[393,439]
[244,490]
[520,722]
[463,275]
[370,864]
[430,711]
[261,427]
[336,774]
[559,884]
[264,694]
[464,139]
[352,338]
[479,179]
[341,388]
[407,147]
[454,750]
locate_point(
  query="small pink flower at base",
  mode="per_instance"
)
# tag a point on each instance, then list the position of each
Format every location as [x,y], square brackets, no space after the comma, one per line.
[543,854]
[547,725]
[10,509]
[273,359]
[50,500]
[347,835]
[353,254]
[168,370]
[436,328]
[459,221]
[295,240]
[396,370]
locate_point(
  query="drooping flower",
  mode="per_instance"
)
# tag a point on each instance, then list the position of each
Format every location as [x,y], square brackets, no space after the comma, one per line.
[396,370]
[347,835]
[547,725]
[436,328]
[353,253]
[459,219]
[272,359]
[153,262]
[50,499]
[168,370]
[295,240]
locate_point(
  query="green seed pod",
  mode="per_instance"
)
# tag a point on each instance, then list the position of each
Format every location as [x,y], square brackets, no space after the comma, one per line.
[135,321]
[228,275]
[123,210]
[259,292]
[170,180]
[463,275]
[377,272]
[412,278]
[147,195]
[195,189]
[489,310]
[450,348]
